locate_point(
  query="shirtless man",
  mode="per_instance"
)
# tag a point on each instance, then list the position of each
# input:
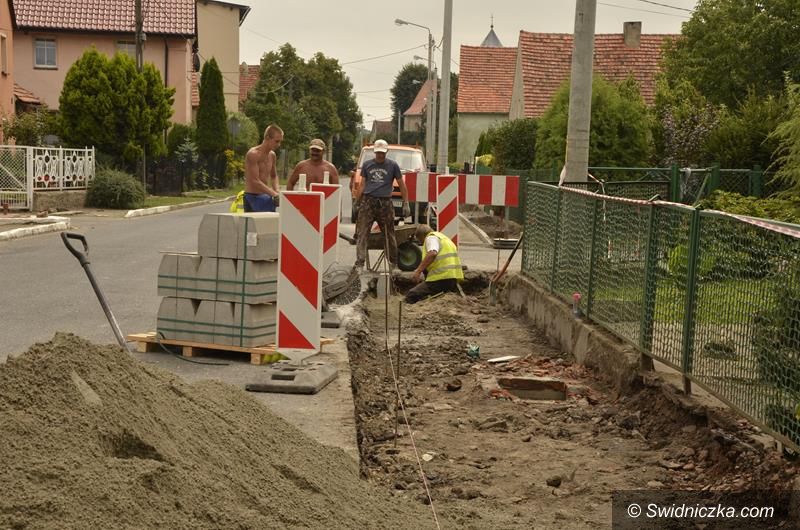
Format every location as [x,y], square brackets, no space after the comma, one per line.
[261,185]
[313,167]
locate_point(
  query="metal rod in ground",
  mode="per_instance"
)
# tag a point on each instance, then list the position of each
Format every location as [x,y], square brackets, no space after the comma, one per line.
[397,394]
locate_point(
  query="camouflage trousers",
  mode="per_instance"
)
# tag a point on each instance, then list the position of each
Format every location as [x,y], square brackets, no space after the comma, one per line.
[380,210]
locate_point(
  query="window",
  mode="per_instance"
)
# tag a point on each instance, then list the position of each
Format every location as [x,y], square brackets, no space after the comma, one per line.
[45,53]
[3,54]
[128,47]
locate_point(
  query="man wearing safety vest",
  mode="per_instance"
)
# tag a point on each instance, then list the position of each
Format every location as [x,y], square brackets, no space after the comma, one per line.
[441,263]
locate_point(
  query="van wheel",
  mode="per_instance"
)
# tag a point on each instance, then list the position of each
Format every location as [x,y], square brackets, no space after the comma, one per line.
[409,256]
[354,213]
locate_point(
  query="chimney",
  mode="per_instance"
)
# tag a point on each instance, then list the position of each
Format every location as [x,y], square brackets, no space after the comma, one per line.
[632,32]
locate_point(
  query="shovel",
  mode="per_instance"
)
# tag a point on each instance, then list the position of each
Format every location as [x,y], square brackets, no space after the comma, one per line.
[83,259]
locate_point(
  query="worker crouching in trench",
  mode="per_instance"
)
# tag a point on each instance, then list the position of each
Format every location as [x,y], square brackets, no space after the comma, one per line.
[440,263]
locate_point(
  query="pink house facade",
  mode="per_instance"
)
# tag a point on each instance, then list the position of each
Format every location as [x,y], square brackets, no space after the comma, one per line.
[50,35]
[6,60]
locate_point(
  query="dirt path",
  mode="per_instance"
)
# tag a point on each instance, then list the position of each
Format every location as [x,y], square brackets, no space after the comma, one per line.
[495,461]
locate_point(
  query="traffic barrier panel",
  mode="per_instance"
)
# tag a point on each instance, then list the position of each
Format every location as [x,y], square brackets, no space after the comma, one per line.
[447,206]
[300,265]
[331,213]
[488,190]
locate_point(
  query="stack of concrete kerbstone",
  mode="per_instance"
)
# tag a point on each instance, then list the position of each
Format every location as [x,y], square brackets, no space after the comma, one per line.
[225,293]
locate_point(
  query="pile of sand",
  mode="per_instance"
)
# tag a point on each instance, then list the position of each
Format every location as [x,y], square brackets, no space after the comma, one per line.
[93,439]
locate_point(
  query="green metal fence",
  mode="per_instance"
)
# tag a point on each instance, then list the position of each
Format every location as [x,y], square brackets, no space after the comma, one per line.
[710,294]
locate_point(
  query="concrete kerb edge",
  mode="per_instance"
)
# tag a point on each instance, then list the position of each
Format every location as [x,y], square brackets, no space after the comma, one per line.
[141,212]
[59,225]
[483,236]
[592,346]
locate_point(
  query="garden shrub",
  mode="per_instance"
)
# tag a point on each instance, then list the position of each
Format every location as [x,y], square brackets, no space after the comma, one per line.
[111,188]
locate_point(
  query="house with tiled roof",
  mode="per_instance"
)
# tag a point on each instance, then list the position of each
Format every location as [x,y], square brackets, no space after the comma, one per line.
[494,87]
[248,77]
[414,115]
[7,85]
[485,83]
[545,63]
[218,25]
[50,35]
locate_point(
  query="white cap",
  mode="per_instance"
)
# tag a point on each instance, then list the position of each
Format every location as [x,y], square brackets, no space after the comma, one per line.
[380,146]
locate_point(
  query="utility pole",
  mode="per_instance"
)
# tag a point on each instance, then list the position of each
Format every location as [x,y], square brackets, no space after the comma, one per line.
[398,125]
[433,158]
[444,106]
[430,132]
[139,41]
[580,93]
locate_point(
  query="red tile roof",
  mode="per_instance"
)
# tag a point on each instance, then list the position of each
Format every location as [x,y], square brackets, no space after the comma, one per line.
[248,77]
[418,105]
[161,17]
[486,79]
[547,62]
[25,95]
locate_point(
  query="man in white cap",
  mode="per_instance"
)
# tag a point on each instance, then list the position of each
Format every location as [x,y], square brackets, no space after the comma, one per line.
[375,204]
[313,167]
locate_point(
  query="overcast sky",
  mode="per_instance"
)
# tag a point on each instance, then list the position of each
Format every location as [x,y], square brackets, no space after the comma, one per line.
[351,30]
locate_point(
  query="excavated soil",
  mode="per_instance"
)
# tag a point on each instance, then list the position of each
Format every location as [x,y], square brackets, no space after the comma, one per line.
[493,460]
[494,226]
[93,439]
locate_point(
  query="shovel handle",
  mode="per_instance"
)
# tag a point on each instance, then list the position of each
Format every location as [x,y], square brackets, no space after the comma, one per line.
[83,257]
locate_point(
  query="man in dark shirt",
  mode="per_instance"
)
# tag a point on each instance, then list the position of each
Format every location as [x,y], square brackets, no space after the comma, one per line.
[378,176]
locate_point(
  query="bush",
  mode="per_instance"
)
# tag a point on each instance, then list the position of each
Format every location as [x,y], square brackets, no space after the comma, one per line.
[178,135]
[234,169]
[30,128]
[246,133]
[513,144]
[785,208]
[115,189]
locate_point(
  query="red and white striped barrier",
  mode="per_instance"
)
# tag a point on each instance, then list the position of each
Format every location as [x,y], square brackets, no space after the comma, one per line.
[488,190]
[300,259]
[480,190]
[331,213]
[447,206]
[421,187]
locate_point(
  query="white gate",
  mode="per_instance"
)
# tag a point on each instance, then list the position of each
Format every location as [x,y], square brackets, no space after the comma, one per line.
[25,169]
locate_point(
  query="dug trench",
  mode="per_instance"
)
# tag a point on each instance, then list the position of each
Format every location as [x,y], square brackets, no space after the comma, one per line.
[492,460]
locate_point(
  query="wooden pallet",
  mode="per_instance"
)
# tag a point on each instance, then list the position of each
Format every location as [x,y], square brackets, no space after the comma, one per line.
[147,342]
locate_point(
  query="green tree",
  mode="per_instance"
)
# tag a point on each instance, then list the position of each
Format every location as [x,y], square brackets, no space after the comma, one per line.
[513,144]
[742,136]
[407,84]
[730,46]
[787,135]
[212,130]
[30,128]
[620,133]
[307,99]
[683,122]
[244,134]
[108,104]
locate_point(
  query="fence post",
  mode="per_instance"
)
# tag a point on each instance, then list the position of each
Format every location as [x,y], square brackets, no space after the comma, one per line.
[592,260]
[674,183]
[556,241]
[689,316]
[60,168]
[650,291]
[713,181]
[29,174]
[756,184]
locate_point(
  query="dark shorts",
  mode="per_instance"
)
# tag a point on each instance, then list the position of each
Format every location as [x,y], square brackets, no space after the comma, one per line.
[258,202]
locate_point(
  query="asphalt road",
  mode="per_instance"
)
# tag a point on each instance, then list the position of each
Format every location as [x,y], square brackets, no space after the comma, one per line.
[43,288]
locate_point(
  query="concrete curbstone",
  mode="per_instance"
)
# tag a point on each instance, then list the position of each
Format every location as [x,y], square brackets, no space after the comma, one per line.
[60,224]
[483,236]
[141,212]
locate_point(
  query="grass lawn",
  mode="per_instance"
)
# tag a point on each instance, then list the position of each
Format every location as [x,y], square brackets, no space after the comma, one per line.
[718,302]
[191,196]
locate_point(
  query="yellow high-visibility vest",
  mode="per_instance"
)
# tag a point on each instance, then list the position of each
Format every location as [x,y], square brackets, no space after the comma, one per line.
[447,265]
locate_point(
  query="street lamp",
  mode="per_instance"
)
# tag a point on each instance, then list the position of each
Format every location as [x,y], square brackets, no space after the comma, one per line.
[430,139]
